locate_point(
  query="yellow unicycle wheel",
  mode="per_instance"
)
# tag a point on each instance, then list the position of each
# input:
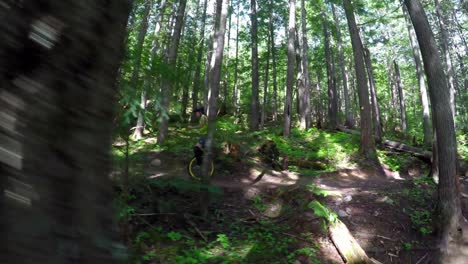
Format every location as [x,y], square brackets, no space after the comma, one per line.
[195,170]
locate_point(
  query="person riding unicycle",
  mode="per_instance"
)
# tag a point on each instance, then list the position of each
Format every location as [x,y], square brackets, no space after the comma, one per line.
[203,128]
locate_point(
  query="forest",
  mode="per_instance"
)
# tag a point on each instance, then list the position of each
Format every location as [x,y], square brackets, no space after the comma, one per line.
[218,131]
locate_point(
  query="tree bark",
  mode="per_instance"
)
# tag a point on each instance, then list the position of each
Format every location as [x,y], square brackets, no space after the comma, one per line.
[138,134]
[265,83]
[209,54]
[273,63]
[349,119]
[290,69]
[448,59]
[236,92]
[168,85]
[254,103]
[318,103]
[58,91]
[227,72]
[367,141]
[401,97]
[332,96]
[440,95]
[391,82]
[152,78]
[374,100]
[196,78]
[421,81]
[304,94]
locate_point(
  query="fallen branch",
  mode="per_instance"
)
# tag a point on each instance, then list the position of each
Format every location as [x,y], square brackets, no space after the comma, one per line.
[385,238]
[188,220]
[421,259]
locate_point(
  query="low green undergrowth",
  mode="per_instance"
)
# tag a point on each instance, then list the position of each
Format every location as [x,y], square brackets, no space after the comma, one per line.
[420,194]
[262,242]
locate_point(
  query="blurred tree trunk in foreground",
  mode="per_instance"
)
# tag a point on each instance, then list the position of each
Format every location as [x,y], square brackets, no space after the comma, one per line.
[57,83]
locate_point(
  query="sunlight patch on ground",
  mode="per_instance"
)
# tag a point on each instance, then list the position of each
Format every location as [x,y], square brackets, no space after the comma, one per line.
[251,192]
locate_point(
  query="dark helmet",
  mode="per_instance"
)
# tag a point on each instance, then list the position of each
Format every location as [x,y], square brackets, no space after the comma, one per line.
[200,109]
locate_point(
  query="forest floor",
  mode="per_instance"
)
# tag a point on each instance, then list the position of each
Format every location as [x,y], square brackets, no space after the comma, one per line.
[261,215]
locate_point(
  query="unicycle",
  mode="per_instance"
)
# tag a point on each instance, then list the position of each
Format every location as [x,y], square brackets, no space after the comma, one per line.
[195,170]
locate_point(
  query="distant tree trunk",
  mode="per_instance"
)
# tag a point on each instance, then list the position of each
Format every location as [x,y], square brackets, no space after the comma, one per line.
[273,62]
[448,58]
[215,77]
[236,92]
[152,77]
[201,44]
[57,85]
[318,103]
[374,100]
[290,70]
[206,77]
[349,119]
[265,83]
[209,53]
[439,92]
[332,96]
[168,85]
[421,81]
[254,103]
[138,134]
[227,72]
[401,97]
[304,94]
[367,140]
[391,79]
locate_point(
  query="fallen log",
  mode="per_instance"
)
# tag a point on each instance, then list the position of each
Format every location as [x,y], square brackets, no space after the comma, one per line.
[347,246]
[419,153]
[422,154]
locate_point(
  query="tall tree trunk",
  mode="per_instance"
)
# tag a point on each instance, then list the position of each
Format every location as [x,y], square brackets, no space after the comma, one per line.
[349,119]
[367,140]
[227,71]
[374,101]
[273,62]
[393,91]
[215,77]
[448,58]
[168,85]
[254,104]
[421,81]
[152,78]
[265,83]
[318,103]
[332,96]
[201,44]
[209,54]
[138,134]
[304,94]
[439,92]
[58,89]
[401,97]
[290,70]
[236,92]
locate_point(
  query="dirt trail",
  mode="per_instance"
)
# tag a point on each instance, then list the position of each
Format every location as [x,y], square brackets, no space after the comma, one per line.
[369,203]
